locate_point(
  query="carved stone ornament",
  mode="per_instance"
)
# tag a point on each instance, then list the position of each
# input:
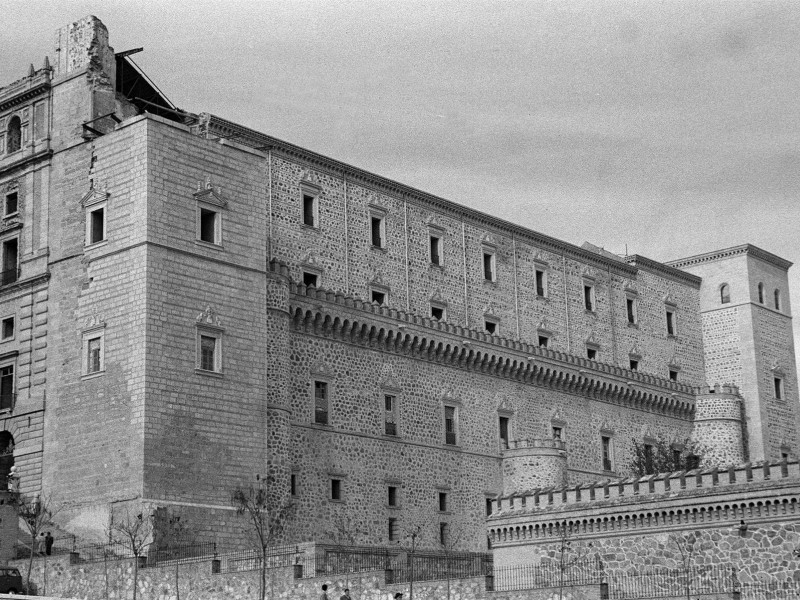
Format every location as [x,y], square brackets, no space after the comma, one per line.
[505,405]
[670,300]
[542,327]
[647,433]
[675,362]
[94,320]
[209,317]
[437,297]
[310,179]
[377,279]
[592,341]
[311,259]
[635,351]
[539,259]
[489,309]
[95,195]
[387,372]
[556,418]
[449,395]
[433,222]
[206,193]
[321,368]
[489,239]
[776,367]
[589,273]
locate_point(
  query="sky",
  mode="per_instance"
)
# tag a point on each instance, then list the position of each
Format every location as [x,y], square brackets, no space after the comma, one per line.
[667,128]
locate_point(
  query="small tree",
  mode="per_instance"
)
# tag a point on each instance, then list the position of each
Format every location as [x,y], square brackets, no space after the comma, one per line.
[685,543]
[169,534]
[413,531]
[267,519]
[449,539]
[662,456]
[346,532]
[37,514]
[136,532]
[569,554]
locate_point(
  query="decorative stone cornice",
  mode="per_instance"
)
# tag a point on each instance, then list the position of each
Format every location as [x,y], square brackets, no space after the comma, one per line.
[667,270]
[748,249]
[24,89]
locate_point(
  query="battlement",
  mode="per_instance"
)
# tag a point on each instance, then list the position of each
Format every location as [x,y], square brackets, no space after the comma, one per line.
[644,488]
[549,444]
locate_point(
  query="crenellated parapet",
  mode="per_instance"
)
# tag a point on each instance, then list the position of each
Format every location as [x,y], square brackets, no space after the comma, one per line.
[718,426]
[534,463]
[326,313]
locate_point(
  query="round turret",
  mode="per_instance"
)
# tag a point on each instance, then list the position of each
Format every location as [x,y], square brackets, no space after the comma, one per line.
[535,463]
[718,426]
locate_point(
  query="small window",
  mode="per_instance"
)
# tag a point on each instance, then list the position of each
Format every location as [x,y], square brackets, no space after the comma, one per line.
[777,299]
[778,386]
[724,294]
[630,306]
[378,231]
[11,205]
[10,271]
[676,459]
[442,501]
[761,293]
[7,391]
[443,529]
[293,485]
[543,341]
[588,297]
[673,375]
[491,327]
[437,312]
[541,283]
[310,279]
[392,496]
[489,270]
[94,356]
[7,328]
[450,425]
[14,135]
[634,364]
[558,432]
[591,354]
[97,225]
[310,210]
[608,463]
[208,353]
[504,435]
[784,456]
[336,489]
[488,507]
[392,529]
[321,402]
[210,226]
[390,414]
[436,249]
[670,322]
[648,459]
[378,297]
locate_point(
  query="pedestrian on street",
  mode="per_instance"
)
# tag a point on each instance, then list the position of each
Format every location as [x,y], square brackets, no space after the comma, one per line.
[346,595]
[324,595]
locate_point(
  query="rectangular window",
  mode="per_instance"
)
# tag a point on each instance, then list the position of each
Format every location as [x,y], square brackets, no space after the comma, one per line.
[321,402]
[10,267]
[673,375]
[648,459]
[6,387]
[676,459]
[378,225]
[208,350]
[336,489]
[97,226]
[437,312]
[778,388]
[390,414]
[392,529]
[558,433]
[7,328]
[392,499]
[670,322]
[436,247]
[378,297]
[442,501]
[443,534]
[588,297]
[504,422]
[489,266]
[491,327]
[607,454]
[310,279]
[488,507]
[591,354]
[634,365]
[11,204]
[293,484]
[310,210]
[450,425]
[543,341]
[94,356]
[208,226]
[540,283]
[630,305]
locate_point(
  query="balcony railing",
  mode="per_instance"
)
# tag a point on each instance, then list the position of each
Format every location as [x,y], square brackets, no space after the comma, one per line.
[7,401]
[9,276]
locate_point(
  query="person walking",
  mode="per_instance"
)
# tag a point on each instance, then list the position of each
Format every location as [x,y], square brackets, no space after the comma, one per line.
[346,595]
[324,595]
[41,544]
[49,540]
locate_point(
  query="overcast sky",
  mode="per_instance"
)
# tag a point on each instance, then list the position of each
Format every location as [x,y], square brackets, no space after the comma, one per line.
[669,128]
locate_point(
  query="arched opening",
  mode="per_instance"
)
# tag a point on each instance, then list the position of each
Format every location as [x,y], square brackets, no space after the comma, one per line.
[777,299]
[14,135]
[761,293]
[724,293]
[6,457]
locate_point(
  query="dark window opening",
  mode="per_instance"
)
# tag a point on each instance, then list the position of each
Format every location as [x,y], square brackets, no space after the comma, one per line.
[673,375]
[379,297]
[450,425]
[670,323]
[629,304]
[10,271]
[648,459]
[676,459]
[392,529]
[309,216]
[14,135]
[208,347]
[488,266]
[692,462]
[293,484]
[7,387]
[321,402]
[392,496]
[761,293]
[558,433]
[587,297]
[310,279]
[336,489]
[437,312]
[778,383]
[777,299]
[377,227]
[539,283]
[390,414]
[443,534]
[724,294]
[634,365]
[12,204]
[504,433]
[8,328]
[435,247]
[442,501]
[591,353]
[208,226]
[93,360]
[607,466]
[490,327]
[488,507]
[543,341]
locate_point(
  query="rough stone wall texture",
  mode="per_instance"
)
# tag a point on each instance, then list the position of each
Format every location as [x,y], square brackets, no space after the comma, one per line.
[542,464]
[718,429]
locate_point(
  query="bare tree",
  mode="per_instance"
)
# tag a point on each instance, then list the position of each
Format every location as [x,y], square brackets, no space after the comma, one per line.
[569,554]
[135,531]
[449,539]
[267,520]
[37,513]
[685,543]
[170,533]
[346,532]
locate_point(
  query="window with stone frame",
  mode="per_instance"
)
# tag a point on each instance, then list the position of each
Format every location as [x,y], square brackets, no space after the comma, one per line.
[209,350]
[491,325]
[777,299]
[451,425]
[589,302]
[761,295]
[777,386]
[336,491]
[11,203]
[8,384]
[310,210]
[14,135]
[435,246]
[504,427]
[444,533]
[489,264]
[9,249]
[607,448]
[390,414]
[672,328]
[7,328]
[392,529]
[632,308]
[377,227]
[541,282]
[392,496]
[321,403]
[724,294]
[591,353]
[94,362]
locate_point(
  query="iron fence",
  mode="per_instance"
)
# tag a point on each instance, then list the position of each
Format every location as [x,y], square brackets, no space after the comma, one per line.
[250,560]
[665,583]
[527,577]
[438,566]
[770,590]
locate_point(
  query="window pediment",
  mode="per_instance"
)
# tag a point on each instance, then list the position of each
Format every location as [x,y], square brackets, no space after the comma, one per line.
[206,193]
[94,196]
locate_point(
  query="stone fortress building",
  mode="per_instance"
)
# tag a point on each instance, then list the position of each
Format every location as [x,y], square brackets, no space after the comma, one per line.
[187,303]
